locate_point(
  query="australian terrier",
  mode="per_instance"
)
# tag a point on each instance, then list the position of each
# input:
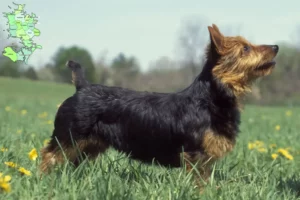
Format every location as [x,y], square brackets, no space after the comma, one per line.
[195,126]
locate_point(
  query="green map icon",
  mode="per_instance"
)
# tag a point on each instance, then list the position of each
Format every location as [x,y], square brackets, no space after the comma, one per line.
[21,26]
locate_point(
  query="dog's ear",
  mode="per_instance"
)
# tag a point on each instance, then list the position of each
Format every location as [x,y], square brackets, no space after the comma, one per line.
[216,38]
[217,29]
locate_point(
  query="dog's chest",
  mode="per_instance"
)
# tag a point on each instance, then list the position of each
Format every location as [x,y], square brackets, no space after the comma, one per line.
[220,137]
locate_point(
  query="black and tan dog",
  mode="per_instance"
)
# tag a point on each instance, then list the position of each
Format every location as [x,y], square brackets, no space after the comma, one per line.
[199,123]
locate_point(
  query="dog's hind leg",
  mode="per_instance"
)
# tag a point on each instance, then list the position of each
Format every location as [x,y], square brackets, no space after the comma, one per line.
[89,148]
[56,153]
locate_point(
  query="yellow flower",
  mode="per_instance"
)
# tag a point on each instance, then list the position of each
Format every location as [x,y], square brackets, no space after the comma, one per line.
[5,178]
[285,153]
[4,185]
[19,131]
[33,154]
[4,149]
[263,150]
[23,112]
[272,145]
[11,164]
[259,142]
[289,148]
[255,145]
[288,113]
[46,142]
[7,108]
[282,151]
[49,122]
[289,157]
[24,171]
[251,145]
[277,127]
[274,156]
[43,115]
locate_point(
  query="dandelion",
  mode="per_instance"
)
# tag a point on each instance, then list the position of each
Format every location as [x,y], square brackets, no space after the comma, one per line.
[289,148]
[263,150]
[288,113]
[50,122]
[19,131]
[272,145]
[285,153]
[33,154]
[274,156]
[6,178]
[43,115]
[259,143]
[255,145]
[251,145]
[289,157]
[7,108]
[277,127]
[46,142]
[11,164]
[24,171]
[5,186]
[23,112]
[282,151]
[4,149]
[4,183]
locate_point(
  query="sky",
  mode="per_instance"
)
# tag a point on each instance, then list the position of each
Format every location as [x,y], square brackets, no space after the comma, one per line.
[149,29]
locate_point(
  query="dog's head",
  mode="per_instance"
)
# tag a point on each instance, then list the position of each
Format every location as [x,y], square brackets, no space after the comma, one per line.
[236,61]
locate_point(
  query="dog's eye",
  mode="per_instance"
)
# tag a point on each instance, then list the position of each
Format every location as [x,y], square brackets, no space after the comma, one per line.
[246,48]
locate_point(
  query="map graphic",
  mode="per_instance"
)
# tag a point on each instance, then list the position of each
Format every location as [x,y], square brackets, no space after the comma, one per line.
[21,26]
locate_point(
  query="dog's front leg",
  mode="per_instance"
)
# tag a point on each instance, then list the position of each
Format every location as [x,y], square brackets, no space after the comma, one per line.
[199,164]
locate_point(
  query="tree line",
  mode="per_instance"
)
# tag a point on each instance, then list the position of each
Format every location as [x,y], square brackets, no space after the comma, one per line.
[166,74]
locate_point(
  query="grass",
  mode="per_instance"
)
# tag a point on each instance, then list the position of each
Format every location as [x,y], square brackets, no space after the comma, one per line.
[244,174]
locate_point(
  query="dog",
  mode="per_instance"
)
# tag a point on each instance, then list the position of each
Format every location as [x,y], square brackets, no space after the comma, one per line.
[193,127]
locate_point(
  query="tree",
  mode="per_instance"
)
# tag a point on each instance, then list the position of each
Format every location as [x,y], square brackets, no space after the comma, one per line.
[30,74]
[103,72]
[77,54]
[9,68]
[163,63]
[124,69]
[46,73]
[192,41]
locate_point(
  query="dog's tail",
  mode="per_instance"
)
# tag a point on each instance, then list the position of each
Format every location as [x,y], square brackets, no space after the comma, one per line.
[78,78]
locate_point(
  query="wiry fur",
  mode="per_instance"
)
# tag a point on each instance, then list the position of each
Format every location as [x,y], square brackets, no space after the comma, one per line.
[199,123]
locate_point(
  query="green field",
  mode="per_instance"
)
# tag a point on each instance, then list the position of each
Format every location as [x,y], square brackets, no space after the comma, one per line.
[27,111]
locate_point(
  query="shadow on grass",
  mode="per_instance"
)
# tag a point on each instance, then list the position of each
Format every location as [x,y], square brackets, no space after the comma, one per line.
[290,184]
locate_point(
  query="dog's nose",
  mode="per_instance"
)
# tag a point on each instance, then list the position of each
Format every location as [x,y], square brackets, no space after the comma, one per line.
[275,48]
